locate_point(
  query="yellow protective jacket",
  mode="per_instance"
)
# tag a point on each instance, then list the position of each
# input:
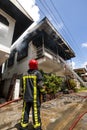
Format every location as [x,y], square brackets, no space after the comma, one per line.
[32,83]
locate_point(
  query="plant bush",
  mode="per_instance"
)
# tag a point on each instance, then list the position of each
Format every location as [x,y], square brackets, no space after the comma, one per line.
[72,85]
[53,83]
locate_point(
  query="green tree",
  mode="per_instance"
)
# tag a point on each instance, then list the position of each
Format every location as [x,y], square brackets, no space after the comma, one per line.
[53,83]
[72,84]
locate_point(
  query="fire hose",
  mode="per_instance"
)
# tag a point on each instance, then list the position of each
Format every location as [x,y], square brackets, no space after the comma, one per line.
[79,117]
[77,120]
[9,102]
[73,124]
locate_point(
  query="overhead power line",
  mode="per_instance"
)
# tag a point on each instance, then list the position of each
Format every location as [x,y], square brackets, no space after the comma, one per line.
[61,19]
[41,10]
[46,6]
[52,15]
[73,40]
[48,10]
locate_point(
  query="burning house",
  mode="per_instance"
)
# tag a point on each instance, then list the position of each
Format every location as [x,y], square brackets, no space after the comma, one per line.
[43,43]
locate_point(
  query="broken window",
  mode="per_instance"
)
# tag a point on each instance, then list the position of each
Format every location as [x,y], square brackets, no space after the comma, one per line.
[22,51]
[11,59]
[37,41]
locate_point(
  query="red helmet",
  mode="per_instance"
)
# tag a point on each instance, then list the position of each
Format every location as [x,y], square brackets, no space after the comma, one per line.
[33,64]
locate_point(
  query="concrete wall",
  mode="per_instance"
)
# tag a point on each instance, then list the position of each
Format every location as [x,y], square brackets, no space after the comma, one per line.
[21,66]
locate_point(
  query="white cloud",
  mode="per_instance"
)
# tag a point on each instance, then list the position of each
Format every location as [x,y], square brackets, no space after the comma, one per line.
[31,8]
[72,64]
[84,64]
[84,44]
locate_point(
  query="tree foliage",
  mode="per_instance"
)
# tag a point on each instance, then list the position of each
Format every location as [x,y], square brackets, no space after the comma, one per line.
[53,83]
[72,84]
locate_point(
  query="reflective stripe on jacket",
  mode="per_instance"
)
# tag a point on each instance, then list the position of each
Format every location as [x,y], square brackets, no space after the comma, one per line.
[32,83]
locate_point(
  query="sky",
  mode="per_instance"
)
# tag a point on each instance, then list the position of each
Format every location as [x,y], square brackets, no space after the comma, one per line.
[69,18]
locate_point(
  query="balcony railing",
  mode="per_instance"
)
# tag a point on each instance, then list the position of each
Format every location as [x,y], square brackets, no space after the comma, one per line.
[42,51]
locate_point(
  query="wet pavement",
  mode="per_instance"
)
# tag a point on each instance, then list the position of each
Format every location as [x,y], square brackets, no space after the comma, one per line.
[58,114]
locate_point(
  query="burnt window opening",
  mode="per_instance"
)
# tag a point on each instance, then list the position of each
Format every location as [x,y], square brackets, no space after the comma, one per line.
[38,42]
[22,51]
[57,47]
[11,59]
[50,44]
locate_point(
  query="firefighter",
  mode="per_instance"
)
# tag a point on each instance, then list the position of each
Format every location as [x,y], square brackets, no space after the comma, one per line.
[32,86]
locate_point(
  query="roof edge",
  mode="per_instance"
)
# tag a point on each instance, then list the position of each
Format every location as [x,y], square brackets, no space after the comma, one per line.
[20,7]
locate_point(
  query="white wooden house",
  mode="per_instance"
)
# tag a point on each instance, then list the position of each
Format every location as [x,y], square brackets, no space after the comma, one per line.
[43,43]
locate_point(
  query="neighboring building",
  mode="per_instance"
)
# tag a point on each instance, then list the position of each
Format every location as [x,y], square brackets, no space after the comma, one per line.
[84,77]
[82,72]
[13,22]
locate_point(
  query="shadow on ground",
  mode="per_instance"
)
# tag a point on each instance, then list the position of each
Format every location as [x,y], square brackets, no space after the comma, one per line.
[17,126]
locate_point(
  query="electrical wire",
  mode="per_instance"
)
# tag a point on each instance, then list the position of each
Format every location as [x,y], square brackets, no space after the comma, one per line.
[46,6]
[73,40]
[61,19]
[48,10]
[40,10]
[51,13]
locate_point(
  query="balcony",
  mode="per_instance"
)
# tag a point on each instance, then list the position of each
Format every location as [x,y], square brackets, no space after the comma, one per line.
[49,62]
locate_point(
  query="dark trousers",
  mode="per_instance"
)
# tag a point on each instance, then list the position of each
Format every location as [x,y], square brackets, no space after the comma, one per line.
[35,114]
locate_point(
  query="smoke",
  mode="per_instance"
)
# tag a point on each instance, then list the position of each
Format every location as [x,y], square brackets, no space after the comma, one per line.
[21,46]
[31,8]
[33,11]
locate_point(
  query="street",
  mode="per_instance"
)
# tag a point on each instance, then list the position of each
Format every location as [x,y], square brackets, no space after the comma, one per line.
[67,112]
